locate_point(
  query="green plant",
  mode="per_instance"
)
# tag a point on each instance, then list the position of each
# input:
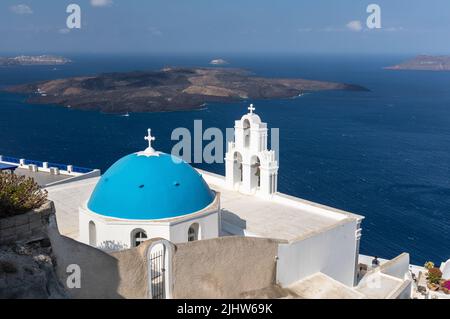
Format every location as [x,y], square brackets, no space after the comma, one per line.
[434,275]
[428,265]
[19,194]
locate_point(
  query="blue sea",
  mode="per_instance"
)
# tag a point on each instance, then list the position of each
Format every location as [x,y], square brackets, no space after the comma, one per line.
[384,154]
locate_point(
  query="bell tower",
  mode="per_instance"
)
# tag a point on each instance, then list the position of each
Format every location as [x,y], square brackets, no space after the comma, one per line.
[250,167]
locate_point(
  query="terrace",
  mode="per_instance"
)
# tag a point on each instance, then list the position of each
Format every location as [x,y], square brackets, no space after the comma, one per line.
[45,173]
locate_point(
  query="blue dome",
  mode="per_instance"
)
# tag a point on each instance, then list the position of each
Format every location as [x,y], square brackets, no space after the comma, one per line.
[143,187]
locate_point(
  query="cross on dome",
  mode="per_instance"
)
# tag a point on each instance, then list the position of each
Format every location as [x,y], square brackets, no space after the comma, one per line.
[150,139]
[251,108]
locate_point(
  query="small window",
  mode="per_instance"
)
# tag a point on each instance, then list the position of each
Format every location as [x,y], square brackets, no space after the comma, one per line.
[193,232]
[139,237]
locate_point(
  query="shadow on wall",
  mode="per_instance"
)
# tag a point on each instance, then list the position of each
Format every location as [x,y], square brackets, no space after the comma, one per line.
[99,274]
[225,267]
[103,276]
[233,223]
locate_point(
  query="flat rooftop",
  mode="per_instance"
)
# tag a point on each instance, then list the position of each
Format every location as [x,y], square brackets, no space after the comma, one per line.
[380,287]
[42,178]
[282,217]
[320,286]
[251,215]
[68,198]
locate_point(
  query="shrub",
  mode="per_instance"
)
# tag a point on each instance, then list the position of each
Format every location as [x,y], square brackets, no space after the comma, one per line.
[19,194]
[434,275]
[428,265]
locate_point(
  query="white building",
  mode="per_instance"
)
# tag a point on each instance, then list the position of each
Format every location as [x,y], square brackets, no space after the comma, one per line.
[145,195]
[150,194]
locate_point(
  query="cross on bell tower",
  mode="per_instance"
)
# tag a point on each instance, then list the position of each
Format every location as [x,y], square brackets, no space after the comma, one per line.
[251,108]
[150,139]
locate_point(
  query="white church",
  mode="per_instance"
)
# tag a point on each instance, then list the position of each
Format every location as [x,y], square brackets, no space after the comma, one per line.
[310,249]
[150,194]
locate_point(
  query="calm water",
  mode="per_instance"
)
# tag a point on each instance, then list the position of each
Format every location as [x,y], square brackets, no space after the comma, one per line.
[383,154]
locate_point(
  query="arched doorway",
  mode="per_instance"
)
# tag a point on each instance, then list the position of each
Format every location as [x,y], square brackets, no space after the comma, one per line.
[255,173]
[92,234]
[193,232]
[159,258]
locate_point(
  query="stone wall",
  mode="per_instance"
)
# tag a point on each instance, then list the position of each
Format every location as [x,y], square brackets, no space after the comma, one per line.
[103,276]
[226,267]
[26,227]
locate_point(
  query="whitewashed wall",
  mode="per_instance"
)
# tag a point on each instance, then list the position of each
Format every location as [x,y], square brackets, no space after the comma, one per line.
[115,235]
[397,267]
[209,228]
[332,252]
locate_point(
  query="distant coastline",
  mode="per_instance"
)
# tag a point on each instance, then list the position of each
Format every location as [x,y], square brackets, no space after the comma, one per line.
[424,63]
[170,89]
[26,60]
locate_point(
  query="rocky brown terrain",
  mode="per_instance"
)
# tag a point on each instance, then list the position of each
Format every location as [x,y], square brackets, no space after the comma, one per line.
[27,271]
[424,63]
[170,89]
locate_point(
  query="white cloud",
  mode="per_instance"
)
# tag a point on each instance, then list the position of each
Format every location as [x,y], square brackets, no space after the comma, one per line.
[21,9]
[354,25]
[101,3]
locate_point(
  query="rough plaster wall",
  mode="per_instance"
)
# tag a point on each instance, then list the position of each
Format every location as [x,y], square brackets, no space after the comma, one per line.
[120,275]
[133,272]
[99,271]
[227,267]
[224,267]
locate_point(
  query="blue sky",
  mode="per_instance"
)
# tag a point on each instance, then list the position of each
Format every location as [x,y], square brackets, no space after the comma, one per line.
[228,26]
